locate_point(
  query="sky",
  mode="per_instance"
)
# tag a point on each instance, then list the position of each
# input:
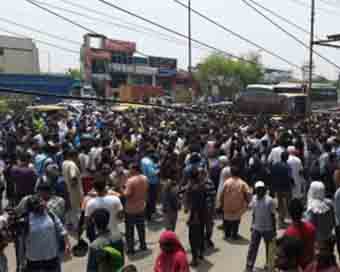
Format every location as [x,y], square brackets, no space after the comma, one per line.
[234,14]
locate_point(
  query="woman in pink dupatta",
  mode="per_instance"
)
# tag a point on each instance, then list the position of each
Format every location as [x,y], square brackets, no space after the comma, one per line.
[173,257]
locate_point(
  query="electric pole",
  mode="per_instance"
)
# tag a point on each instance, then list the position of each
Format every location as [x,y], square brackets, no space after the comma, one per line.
[189,37]
[310,79]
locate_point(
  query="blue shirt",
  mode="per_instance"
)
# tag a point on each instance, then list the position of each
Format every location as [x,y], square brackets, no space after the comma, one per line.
[39,163]
[150,170]
[41,240]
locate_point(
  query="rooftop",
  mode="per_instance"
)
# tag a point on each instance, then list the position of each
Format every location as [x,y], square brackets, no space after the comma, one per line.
[16,43]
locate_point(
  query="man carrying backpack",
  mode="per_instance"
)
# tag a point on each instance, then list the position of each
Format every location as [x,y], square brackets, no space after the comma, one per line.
[103,255]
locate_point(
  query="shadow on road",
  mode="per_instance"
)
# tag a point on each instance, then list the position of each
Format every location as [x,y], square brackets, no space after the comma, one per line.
[203,266]
[139,255]
[241,242]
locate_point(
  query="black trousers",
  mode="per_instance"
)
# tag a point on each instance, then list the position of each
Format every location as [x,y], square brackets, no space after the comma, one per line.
[337,234]
[132,220]
[209,224]
[231,228]
[196,239]
[152,201]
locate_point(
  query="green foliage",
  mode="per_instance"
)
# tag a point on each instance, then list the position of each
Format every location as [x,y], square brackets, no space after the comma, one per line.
[228,74]
[3,106]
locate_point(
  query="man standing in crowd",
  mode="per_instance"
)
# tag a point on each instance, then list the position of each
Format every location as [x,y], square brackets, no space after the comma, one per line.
[263,225]
[296,168]
[196,204]
[111,204]
[151,170]
[281,185]
[235,198]
[275,154]
[24,177]
[135,194]
[105,253]
[74,187]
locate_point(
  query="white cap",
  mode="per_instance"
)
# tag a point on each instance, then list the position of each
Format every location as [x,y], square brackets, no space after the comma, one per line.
[259,184]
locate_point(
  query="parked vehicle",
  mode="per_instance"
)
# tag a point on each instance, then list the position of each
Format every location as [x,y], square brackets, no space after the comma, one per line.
[258,99]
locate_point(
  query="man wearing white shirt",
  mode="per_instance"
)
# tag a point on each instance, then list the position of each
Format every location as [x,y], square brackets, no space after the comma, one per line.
[275,154]
[296,167]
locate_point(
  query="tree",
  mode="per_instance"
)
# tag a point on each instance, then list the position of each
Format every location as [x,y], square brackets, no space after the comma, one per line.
[228,74]
[75,73]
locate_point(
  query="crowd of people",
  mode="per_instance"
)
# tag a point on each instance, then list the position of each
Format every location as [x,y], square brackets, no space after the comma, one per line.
[85,176]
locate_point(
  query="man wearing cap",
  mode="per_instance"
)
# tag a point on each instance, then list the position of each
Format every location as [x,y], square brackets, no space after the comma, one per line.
[263,225]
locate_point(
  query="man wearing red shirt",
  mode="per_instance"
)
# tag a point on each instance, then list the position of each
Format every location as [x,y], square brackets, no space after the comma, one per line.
[304,231]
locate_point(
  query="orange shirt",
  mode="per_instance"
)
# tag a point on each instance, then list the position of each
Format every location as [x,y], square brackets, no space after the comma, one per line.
[235,198]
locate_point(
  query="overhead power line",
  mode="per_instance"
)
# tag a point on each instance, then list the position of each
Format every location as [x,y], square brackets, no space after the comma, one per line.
[183,35]
[288,21]
[153,33]
[239,36]
[288,33]
[70,21]
[62,17]
[128,25]
[306,5]
[40,41]
[39,31]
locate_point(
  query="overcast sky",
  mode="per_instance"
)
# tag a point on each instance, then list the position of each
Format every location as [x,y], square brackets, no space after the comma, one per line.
[231,13]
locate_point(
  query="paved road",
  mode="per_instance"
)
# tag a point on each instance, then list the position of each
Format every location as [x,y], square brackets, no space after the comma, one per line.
[226,257]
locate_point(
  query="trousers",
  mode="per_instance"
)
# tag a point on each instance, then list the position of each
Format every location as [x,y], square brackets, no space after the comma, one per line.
[283,199]
[231,228]
[152,201]
[255,240]
[132,221]
[196,239]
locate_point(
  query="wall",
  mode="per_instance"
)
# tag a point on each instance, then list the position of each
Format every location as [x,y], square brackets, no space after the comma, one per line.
[19,61]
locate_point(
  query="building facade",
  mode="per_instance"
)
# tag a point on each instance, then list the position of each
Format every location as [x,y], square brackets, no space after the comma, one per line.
[111,65]
[18,56]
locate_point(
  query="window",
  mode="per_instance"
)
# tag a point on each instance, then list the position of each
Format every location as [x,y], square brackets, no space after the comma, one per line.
[2,51]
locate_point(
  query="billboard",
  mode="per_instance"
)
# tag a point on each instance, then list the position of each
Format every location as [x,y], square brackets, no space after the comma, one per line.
[163,63]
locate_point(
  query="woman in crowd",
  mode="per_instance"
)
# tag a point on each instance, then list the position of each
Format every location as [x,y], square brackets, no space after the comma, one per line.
[173,256]
[320,211]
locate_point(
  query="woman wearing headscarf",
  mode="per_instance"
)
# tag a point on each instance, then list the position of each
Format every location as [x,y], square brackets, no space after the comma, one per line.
[320,211]
[173,257]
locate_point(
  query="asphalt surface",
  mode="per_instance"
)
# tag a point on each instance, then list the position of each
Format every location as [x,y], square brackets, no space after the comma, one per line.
[227,256]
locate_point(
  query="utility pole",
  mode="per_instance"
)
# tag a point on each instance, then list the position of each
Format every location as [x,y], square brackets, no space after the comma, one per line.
[310,79]
[189,37]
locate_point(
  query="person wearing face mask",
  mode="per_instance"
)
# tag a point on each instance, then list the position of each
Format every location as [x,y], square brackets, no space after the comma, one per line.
[119,176]
[173,256]
[325,258]
[43,232]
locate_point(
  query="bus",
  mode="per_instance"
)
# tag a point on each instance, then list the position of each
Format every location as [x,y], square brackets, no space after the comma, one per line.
[265,99]
[323,95]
